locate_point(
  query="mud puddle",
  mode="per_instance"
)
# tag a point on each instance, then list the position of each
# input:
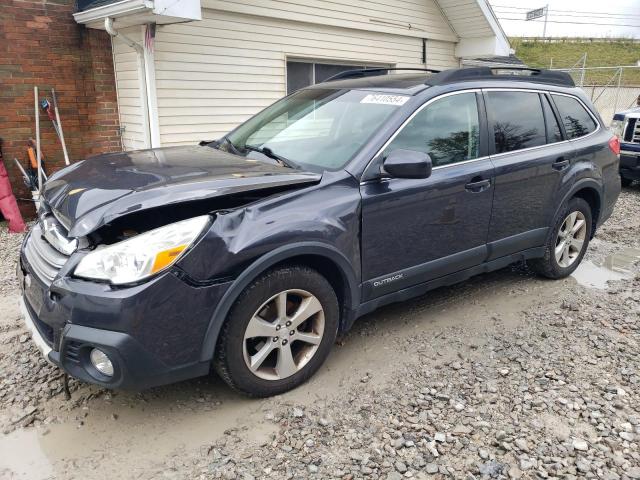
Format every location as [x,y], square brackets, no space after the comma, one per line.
[123,438]
[22,458]
[597,273]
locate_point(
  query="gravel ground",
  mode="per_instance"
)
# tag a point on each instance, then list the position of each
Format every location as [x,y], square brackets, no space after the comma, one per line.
[504,376]
[9,245]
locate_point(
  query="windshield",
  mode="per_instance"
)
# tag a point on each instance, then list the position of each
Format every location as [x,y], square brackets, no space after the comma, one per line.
[316,129]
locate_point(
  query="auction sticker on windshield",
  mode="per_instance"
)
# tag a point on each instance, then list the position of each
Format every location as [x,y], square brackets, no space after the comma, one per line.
[382,99]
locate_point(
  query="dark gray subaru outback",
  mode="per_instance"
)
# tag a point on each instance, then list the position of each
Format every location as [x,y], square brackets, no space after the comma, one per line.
[250,253]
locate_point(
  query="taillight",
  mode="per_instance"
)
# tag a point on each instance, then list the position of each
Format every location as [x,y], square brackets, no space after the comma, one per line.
[614,145]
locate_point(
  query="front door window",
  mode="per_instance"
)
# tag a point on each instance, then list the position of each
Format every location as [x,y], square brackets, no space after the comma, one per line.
[448,130]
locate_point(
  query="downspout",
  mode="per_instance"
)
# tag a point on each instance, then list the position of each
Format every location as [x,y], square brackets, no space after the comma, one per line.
[108,26]
[150,140]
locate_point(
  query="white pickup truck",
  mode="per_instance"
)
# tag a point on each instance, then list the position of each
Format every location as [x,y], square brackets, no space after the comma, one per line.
[626,125]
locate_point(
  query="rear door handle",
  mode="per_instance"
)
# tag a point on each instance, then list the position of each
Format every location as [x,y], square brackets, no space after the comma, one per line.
[560,164]
[477,186]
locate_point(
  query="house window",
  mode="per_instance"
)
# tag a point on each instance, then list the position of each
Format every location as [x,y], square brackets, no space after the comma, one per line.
[303,74]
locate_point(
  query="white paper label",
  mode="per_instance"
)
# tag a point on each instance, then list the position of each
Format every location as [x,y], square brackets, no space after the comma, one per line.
[383,99]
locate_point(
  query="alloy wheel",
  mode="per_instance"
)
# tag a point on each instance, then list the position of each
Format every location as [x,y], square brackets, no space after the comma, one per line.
[571,238]
[283,334]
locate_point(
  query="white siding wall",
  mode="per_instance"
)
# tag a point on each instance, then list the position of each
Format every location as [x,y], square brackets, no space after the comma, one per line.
[213,74]
[129,90]
[414,18]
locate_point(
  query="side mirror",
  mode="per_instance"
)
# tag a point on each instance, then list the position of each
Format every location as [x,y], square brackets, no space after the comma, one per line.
[408,164]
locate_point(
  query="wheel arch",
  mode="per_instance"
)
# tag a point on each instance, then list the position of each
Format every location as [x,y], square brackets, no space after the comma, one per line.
[592,197]
[329,261]
[591,192]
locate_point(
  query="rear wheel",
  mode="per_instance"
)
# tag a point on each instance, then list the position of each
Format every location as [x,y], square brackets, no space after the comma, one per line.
[278,333]
[626,182]
[567,241]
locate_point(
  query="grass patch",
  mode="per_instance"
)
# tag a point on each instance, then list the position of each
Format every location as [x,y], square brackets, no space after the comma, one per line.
[567,52]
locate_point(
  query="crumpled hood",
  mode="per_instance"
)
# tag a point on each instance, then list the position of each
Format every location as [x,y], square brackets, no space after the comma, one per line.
[91,193]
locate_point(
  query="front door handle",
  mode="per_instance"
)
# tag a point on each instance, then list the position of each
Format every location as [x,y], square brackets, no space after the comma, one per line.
[477,186]
[560,164]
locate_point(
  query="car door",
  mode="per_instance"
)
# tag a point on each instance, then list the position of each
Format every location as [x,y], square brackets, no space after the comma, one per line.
[530,158]
[416,230]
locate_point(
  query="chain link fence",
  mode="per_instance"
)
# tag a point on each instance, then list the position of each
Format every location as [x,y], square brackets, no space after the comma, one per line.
[611,89]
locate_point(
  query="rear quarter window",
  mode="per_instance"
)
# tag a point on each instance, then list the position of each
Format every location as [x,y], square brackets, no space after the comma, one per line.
[577,121]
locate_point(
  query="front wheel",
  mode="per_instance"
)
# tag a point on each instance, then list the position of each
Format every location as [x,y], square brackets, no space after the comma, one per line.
[567,241]
[278,333]
[626,182]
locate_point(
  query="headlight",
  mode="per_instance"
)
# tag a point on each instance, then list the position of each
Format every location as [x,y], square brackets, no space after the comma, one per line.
[616,127]
[143,255]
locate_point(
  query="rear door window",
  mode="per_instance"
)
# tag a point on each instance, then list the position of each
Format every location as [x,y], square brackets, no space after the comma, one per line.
[577,121]
[516,120]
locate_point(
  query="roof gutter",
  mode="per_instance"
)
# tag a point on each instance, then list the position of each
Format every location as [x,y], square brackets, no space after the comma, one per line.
[114,9]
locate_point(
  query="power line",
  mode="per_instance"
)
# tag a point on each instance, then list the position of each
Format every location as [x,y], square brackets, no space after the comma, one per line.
[566,15]
[569,11]
[557,14]
[561,10]
[574,22]
[570,16]
[560,14]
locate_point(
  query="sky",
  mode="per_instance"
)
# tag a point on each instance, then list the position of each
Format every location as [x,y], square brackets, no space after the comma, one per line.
[588,18]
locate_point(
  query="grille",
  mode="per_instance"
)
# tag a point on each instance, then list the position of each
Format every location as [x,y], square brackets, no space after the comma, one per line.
[632,131]
[45,260]
[635,132]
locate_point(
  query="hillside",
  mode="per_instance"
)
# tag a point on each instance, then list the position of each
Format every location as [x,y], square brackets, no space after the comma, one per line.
[565,53]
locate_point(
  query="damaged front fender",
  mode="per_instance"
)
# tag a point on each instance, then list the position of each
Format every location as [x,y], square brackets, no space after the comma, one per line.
[320,223]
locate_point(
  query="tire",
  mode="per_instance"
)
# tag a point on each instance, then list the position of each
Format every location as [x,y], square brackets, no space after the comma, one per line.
[261,303]
[626,182]
[548,265]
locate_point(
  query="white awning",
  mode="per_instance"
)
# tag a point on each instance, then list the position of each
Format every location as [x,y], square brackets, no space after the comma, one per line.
[126,13]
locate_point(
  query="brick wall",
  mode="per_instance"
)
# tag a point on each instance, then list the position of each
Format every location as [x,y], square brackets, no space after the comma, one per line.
[40,44]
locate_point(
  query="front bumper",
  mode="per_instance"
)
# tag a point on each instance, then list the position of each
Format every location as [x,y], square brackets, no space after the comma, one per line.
[36,336]
[134,368]
[152,332]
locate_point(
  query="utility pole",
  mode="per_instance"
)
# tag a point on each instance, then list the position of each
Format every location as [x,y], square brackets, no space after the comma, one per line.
[546,15]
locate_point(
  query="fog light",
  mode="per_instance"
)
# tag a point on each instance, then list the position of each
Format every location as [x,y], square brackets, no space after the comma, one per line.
[101,362]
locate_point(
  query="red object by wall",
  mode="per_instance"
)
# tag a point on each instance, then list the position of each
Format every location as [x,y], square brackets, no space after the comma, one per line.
[8,204]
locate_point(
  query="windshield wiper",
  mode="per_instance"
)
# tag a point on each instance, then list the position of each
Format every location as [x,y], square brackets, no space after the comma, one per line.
[226,140]
[267,152]
[218,143]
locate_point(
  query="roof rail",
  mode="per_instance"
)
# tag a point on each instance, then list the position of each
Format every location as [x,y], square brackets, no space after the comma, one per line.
[371,72]
[524,74]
